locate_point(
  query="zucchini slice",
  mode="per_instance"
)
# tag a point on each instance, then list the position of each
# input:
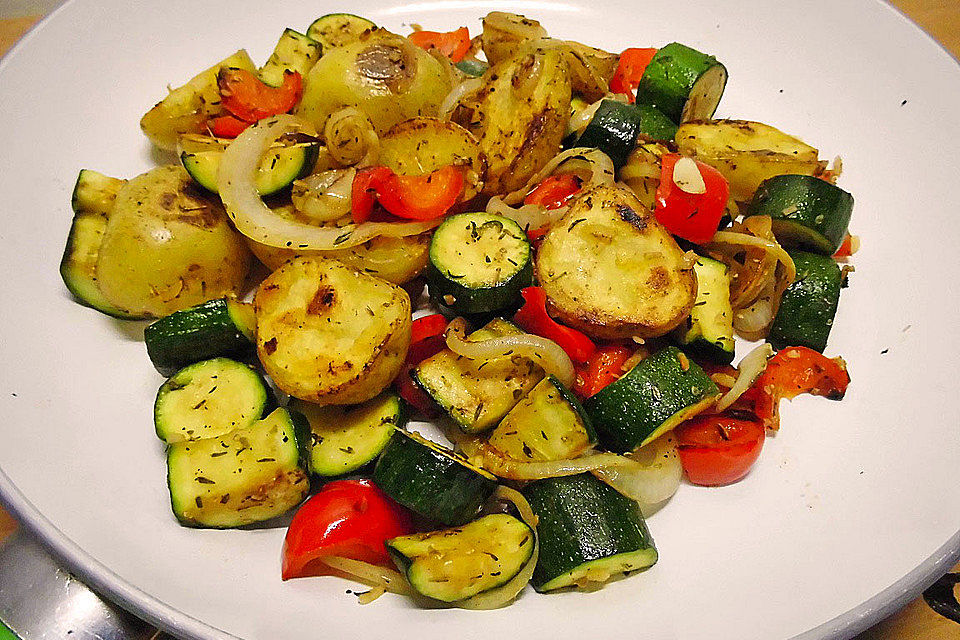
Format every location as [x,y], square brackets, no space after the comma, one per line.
[222,327]
[338,29]
[477,395]
[472,67]
[708,332]
[807,213]
[245,476]
[588,532]
[291,158]
[547,424]
[209,399]
[616,126]
[454,564]
[653,397]
[683,83]
[432,480]
[479,262]
[809,305]
[294,52]
[344,439]
[93,198]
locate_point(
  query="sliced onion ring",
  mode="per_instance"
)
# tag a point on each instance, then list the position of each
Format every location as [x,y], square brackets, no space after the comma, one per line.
[381,579]
[746,240]
[592,166]
[235,181]
[528,216]
[546,353]
[652,476]
[750,368]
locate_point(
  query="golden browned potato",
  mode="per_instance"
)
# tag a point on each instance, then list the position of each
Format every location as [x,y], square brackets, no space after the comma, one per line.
[168,246]
[504,33]
[520,116]
[186,109]
[421,145]
[384,75]
[591,69]
[611,270]
[747,153]
[330,334]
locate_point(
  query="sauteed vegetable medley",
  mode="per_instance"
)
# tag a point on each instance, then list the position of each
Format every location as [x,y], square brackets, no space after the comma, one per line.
[591,242]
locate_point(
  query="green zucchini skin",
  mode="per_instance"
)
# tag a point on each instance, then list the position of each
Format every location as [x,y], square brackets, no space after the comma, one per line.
[616,127]
[210,398]
[220,327]
[809,305]
[708,332]
[807,213]
[473,68]
[584,524]
[674,82]
[294,52]
[338,29]
[479,263]
[653,397]
[431,480]
[344,439]
[455,564]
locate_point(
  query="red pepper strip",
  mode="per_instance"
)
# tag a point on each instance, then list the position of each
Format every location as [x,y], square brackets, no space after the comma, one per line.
[554,191]
[633,62]
[348,519]
[248,98]
[536,235]
[363,192]
[227,126]
[691,216]
[846,249]
[453,44]
[793,371]
[413,197]
[426,340]
[718,449]
[534,319]
[602,368]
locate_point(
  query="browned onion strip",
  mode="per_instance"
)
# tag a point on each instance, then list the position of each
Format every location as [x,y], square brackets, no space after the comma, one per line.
[750,368]
[381,579]
[591,165]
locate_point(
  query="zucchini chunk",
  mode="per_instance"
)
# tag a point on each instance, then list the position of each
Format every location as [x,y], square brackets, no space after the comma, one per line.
[683,83]
[809,305]
[588,532]
[338,29]
[477,395]
[432,480]
[547,424]
[294,52]
[653,397]
[329,334]
[209,399]
[344,439]
[292,157]
[616,126]
[708,332]
[479,262]
[807,213]
[454,564]
[222,327]
[245,476]
[92,201]
[611,270]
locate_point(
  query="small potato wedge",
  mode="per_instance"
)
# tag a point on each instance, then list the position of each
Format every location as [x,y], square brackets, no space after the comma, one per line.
[747,153]
[504,33]
[611,270]
[330,334]
[421,145]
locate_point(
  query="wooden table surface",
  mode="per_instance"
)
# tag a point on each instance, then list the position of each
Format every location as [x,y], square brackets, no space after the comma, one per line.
[941,19]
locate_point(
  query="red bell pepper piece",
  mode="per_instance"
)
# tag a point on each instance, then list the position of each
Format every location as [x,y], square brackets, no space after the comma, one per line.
[846,249]
[602,368]
[533,317]
[630,68]
[793,371]
[453,44]
[413,197]
[554,191]
[691,216]
[717,449]
[248,98]
[426,340]
[348,519]
[228,126]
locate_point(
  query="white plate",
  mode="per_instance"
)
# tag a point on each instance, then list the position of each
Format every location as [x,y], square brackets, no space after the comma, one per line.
[853,507]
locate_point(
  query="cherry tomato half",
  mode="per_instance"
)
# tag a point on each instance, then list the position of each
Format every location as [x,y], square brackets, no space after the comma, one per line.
[717,449]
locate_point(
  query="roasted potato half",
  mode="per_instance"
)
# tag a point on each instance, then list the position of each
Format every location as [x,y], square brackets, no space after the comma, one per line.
[168,245]
[330,334]
[520,116]
[611,270]
[421,145]
[747,153]
[504,33]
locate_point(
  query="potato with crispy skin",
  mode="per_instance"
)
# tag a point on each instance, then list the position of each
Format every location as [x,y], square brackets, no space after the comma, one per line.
[330,334]
[611,270]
